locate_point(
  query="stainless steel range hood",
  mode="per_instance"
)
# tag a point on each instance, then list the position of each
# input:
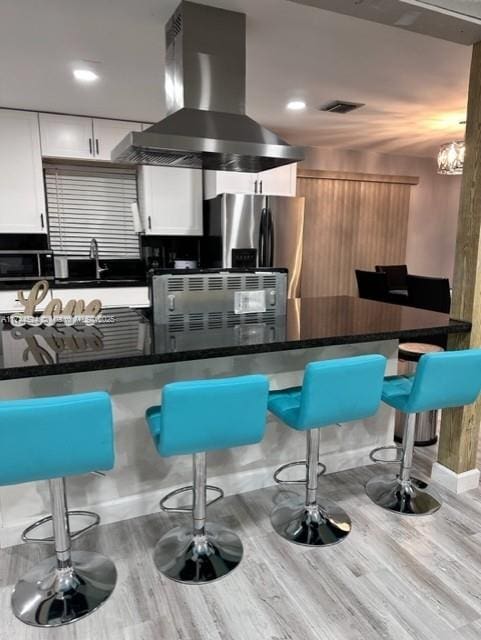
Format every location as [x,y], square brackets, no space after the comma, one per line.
[207,127]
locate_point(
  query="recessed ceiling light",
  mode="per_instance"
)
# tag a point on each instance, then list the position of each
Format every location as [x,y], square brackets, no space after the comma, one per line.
[85,75]
[296,105]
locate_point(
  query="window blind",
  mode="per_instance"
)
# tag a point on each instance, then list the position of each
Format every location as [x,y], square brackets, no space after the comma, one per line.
[91,202]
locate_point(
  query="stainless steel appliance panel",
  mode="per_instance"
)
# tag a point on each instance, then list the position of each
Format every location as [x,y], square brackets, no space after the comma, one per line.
[24,265]
[287,228]
[240,224]
[211,297]
[272,226]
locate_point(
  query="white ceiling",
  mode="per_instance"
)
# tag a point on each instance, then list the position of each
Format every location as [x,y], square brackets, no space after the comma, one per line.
[414,86]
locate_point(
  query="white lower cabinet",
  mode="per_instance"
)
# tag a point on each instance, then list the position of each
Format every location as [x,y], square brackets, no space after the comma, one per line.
[9,302]
[109,296]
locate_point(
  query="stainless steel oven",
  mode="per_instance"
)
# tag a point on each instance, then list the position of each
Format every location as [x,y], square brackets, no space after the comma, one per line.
[26,265]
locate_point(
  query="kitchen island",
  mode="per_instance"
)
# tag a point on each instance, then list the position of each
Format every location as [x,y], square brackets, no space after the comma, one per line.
[132,358]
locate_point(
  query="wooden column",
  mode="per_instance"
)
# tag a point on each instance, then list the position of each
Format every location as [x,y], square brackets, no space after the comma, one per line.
[458,442]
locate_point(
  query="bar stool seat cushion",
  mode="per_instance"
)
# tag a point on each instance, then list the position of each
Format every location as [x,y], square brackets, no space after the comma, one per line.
[396,390]
[207,415]
[445,379]
[333,391]
[54,437]
[286,404]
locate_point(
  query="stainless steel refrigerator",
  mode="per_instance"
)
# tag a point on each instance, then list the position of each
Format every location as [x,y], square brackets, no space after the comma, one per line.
[255,231]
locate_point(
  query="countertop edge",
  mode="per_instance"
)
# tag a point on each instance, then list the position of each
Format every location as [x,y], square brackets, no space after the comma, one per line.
[35,371]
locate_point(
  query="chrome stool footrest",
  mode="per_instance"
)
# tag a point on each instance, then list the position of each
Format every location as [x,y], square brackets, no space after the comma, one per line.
[189,509]
[393,447]
[297,463]
[73,535]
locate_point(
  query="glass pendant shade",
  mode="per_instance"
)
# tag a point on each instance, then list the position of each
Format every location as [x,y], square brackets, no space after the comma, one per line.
[451,158]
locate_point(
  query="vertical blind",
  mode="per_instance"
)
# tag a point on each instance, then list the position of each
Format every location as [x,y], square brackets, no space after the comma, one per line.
[91,202]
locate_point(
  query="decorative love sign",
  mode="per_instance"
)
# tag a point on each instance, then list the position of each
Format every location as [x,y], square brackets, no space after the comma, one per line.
[55,309]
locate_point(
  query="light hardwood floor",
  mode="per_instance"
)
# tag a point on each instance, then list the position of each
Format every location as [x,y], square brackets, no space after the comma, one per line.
[392,578]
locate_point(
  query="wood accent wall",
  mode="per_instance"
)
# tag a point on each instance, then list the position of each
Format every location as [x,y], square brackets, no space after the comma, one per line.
[352,221]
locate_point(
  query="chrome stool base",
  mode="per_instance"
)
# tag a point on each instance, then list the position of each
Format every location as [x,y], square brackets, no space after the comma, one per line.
[412,497]
[189,558]
[48,596]
[317,525]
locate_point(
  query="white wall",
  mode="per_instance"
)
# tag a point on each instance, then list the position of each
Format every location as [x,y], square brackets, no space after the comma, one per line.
[433,209]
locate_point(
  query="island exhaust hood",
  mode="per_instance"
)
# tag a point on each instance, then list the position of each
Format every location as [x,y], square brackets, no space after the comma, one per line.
[207,127]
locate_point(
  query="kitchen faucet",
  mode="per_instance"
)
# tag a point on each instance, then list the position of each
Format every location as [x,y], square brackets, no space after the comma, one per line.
[94,255]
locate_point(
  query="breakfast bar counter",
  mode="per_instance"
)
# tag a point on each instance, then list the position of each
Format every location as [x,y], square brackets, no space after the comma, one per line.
[132,358]
[129,337]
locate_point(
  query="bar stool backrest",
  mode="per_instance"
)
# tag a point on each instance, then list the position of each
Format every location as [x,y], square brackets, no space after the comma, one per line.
[341,390]
[205,415]
[447,379]
[53,437]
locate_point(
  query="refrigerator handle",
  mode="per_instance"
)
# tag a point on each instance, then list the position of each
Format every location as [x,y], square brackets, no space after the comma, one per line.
[269,240]
[263,238]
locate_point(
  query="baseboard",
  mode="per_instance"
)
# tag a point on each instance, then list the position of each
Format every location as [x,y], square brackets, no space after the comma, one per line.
[455,482]
[239,481]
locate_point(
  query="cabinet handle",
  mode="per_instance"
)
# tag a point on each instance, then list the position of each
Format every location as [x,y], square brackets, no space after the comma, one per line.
[90,146]
[42,221]
[150,222]
[97,146]
[260,187]
[255,186]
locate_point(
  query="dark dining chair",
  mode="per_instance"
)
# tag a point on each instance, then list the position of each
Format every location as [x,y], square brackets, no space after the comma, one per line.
[433,294]
[372,285]
[429,293]
[397,275]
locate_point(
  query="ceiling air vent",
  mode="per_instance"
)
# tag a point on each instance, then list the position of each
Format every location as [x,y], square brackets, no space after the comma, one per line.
[340,106]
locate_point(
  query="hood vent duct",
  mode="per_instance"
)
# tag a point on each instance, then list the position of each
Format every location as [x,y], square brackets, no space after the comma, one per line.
[206,126]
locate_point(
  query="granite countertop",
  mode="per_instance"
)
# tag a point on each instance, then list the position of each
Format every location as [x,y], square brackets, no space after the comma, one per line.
[132,339]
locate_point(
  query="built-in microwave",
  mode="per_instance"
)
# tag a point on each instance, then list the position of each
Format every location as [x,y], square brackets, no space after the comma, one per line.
[26,265]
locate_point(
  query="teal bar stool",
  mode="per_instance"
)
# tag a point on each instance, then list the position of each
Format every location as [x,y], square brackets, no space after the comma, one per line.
[196,417]
[49,439]
[333,392]
[442,380]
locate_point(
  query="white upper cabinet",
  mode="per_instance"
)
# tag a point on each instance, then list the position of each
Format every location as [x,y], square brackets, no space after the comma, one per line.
[170,201]
[22,198]
[108,134]
[278,182]
[274,182]
[66,136]
[216,182]
[82,138]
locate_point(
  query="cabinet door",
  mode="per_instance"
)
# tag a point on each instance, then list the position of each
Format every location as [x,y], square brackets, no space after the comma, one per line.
[216,182]
[278,182]
[171,201]
[110,297]
[22,199]
[66,136]
[108,133]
